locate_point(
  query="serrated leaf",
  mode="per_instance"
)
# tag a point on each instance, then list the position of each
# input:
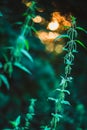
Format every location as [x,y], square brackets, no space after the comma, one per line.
[65,102]
[22,67]
[27,55]
[79,42]
[61,36]
[5,81]
[82,29]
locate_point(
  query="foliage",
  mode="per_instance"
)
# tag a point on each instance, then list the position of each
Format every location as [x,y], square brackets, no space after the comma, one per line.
[51,100]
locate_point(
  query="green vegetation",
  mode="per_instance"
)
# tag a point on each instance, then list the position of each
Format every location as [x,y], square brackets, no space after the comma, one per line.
[23,65]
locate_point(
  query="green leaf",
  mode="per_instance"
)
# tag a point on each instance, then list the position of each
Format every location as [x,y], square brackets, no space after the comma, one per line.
[56,115]
[61,36]
[27,55]
[24,14]
[82,29]
[66,27]
[22,41]
[65,102]
[17,64]
[18,120]
[79,42]
[5,81]
[26,44]
[19,23]
[66,91]
[73,18]
[13,123]
[8,67]
[34,29]
[16,123]
[53,99]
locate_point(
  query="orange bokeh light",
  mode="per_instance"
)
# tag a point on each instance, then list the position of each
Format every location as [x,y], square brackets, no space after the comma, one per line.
[37,19]
[61,19]
[47,37]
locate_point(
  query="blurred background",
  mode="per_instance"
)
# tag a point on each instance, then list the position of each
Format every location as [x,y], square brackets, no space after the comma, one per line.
[50,18]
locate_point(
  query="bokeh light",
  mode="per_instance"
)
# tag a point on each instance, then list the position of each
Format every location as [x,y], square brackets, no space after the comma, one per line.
[47,37]
[38,19]
[53,25]
[59,48]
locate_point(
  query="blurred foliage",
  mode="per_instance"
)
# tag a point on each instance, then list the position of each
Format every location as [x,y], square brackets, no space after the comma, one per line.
[45,71]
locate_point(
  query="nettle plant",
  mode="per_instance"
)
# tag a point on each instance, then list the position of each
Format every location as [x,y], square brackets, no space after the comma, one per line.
[21,49]
[71,48]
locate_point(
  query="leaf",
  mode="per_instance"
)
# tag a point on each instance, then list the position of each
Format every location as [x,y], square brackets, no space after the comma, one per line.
[26,44]
[82,29]
[59,89]
[21,40]
[13,123]
[65,102]
[62,36]
[8,67]
[66,91]
[67,27]
[24,14]
[34,29]
[73,18]
[19,23]
[56,115]
[22,67]
[50,98]
[16,122]
[79,42]
[5,81]
[27,55]
[53,99]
